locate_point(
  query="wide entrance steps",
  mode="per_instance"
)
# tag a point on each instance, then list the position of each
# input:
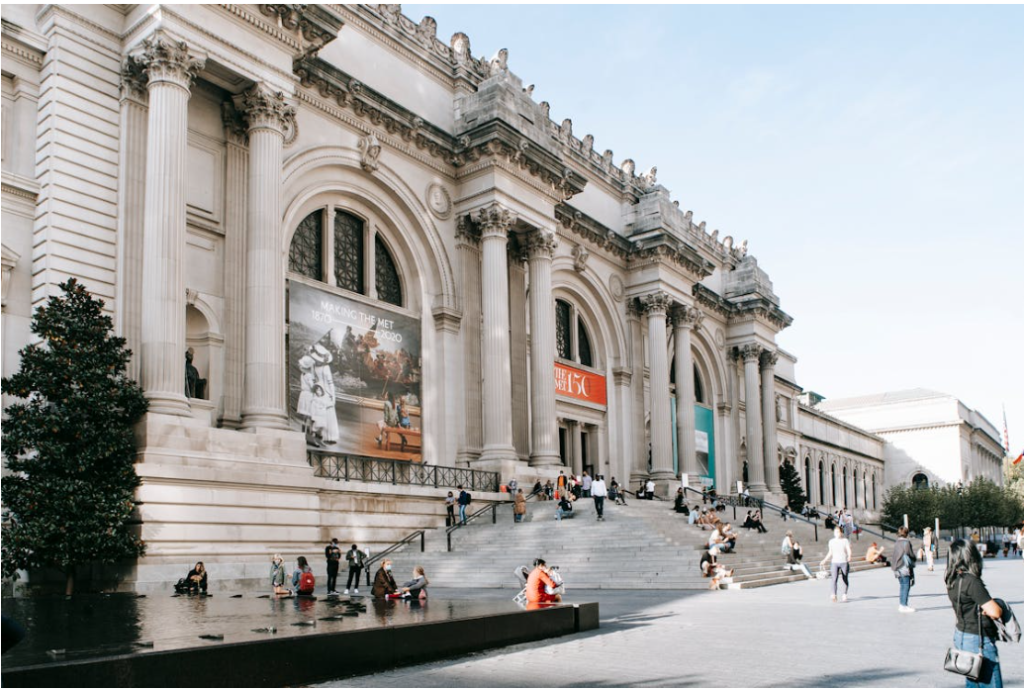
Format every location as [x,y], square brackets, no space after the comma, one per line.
[644,545]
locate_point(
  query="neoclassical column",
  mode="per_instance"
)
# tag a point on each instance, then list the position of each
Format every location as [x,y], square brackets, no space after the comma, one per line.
[495,221]
[771,438]
[751,353]
[543,425]
[170,67]
[684,320]
[263,399]
[656,306]
[236,185]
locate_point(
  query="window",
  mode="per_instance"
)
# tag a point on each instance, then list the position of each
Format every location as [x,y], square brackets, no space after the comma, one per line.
[306,253]
[348,252]
[563,329]
[584,344]
[572,337]
[389,287]
[821,482]
[698,386]
[920,481]
[856,490]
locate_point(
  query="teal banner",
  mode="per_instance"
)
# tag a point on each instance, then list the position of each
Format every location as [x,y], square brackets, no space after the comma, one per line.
[704,422]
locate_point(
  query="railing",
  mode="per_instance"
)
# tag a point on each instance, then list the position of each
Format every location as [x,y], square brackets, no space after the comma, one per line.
[357,468]
[761,504]
[492,508]
[395,547]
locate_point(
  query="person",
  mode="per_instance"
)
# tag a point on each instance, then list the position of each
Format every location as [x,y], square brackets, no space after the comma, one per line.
[680,502]
[847,521]
[324,401]
[464,501]
[599,491]
[549,490]
[649,489]
[830,522]
[718,542]
[513,485]
[416,588]
[564,506]
[704,496]
[967,594]
[390,419]
[306,381]
[755,520]
[975,537]
[616,493]
[794,555]
[196,579]
[785,513]
[519,509]
[538,490]
[562,483]
[538,583]
[449,507]
[903,561]
[840,553]
[929,545]
[1006,544]
[332,552]
[383,582]
[303,581]
[874,554]
[277,575]
[694,516]
[355,559]
[748,521]
[709,567]
[586,484]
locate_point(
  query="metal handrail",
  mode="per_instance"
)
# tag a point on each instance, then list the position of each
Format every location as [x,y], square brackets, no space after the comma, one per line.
[421,533]
[761,504]
[344,467]
[493,507]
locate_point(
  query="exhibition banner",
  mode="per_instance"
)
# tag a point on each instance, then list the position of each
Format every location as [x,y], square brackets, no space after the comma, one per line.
[354,375]
[578,384]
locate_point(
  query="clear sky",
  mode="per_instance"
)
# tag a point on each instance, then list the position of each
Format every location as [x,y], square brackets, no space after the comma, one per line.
[873,156]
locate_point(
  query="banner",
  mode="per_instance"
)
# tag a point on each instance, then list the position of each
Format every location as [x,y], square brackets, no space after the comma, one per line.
[571,382]
[354,375]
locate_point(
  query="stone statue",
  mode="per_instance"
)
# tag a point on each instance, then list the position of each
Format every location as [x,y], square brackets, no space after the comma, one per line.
[191,375]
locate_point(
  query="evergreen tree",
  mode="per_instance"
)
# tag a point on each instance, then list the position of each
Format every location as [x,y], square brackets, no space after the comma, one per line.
[789,478]
[70,446]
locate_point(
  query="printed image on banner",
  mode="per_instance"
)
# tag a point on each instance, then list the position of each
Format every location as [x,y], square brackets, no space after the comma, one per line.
[354,375]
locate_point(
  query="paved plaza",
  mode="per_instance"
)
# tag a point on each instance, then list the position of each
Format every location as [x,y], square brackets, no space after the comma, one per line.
[784,636]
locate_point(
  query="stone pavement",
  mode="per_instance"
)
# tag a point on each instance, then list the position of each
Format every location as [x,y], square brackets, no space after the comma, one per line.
[783,636]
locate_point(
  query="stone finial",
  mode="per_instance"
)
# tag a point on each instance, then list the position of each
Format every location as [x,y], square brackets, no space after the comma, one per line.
[494,219]
[499,63]
[391,13]
[588,144]
[167,60]
[264,108]
[628,169]
[565,131]
[649,178]
[460,48]
[369,152]
[426,31]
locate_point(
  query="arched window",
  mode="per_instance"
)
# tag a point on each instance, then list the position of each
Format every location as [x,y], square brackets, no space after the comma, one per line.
[389,286]
[698,386]
[305,255]
[572,338]
[856,490]
[920,481]
[821,481]
[835,495]
[874,492]
[807,476]
[846,490]
[349,253]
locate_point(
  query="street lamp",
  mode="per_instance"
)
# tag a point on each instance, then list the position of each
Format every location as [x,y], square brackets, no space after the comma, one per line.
[960,506]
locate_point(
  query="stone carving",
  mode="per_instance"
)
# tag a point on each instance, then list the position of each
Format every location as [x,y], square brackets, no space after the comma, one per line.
[769,359]
[235,130]
[133,79]
[545,109]
[317,24]
[565,131]
[683,315]
[391,13]
[498,63]
[493,219]
[606,159]
[439,201]
[779,408]
[750,352]
[616,287]
[727,243]
[460,48]
[587,145]
[579,258]
[656,303]
[195,387]
[541,243]
[714,235]
[426,31]
[9,261]
[464,233]
[165,59]
[529,90]
[649,179]
[719,338]
[742,251]
[628,169]
[369,153]
[264,108]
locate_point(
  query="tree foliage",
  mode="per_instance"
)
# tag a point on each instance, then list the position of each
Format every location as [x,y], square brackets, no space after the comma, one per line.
[69,446]
[982,503]
[789,478]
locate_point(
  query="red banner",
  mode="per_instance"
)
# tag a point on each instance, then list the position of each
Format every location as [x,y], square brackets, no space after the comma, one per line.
[580,385]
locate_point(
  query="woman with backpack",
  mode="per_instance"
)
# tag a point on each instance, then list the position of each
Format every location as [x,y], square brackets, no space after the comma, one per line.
[903,561]
[303,580]
[975,611]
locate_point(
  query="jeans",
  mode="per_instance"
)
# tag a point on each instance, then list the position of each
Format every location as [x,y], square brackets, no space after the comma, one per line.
[558,513]
[462,513]
[991,675]
[517,517]
[599,505]
[905,590]
[840,569]
[332,576]
[353,576]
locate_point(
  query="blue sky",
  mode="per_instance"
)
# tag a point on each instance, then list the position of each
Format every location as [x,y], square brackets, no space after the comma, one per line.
[873,156]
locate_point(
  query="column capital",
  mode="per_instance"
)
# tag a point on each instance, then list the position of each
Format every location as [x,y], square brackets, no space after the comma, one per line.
[494,220]
[235,130]
[769,359]
[684,316]
[750,352]
[656,303]
[134,81]
[541,244]
[264,108]
[165,59]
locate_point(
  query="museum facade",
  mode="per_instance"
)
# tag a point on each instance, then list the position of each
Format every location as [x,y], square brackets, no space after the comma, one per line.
[372,243]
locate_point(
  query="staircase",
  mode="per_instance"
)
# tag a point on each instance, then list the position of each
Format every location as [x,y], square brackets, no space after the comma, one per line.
[644,545]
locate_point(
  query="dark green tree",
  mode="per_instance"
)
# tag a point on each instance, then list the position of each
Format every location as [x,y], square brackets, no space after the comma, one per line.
[70,446]
[789,478]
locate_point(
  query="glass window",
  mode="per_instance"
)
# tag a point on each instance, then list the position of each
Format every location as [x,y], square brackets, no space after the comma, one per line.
[305,256]
[920,481]
[349,257]
[698,386]
[389,287]
[584,344]
[563,329]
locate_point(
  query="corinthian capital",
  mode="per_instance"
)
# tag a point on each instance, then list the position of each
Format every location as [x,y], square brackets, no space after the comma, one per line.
[265,108]
[769,359]
[687,317]
[541,244]
[133,80]
[750,352]
[494,220]
[167,60]
[656,303]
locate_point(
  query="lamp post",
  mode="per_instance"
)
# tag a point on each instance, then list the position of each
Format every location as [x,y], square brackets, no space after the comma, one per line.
[960,506]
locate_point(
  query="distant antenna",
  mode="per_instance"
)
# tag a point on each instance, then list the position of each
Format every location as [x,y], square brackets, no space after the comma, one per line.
[1006,431]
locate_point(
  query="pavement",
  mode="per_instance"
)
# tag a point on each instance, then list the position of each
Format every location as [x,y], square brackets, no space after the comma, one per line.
[783,636]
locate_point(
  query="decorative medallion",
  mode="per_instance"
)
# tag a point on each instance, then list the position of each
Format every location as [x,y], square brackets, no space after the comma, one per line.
[439,201]
[617,288]
[719,338]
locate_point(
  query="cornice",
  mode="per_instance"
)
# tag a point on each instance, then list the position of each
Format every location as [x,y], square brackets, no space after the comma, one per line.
[316,24]
[15,49]
[242,13]
[19,186]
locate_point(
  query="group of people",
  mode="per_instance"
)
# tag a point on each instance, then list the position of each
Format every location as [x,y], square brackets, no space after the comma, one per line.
[462,501]
[842,519]
[303,581]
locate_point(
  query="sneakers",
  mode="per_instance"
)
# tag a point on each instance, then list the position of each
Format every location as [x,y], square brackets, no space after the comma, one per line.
[906,609]
[346,591]
[355,591]
[844,599]
[833,598]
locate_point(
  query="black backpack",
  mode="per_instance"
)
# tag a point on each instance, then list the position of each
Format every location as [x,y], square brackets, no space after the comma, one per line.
[469,498]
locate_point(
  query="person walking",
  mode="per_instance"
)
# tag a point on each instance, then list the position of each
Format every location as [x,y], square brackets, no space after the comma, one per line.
[586,483]
[599,491]
[332,552]
[464,501]
[975,610]
[649,488]
[355,559]
[903,561]
[519,509]
[929,548]
[840,553]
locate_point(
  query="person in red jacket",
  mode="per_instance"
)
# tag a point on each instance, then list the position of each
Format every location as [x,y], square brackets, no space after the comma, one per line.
[540,578]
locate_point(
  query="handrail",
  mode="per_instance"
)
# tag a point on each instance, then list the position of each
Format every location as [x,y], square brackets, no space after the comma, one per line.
[343,467]
[493,507]
[761,504]
[421,533]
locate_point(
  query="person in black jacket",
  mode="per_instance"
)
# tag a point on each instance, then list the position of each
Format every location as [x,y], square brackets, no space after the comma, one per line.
[384,582]
[903,561]
[355,559]
[332,552]
[975,610]
[197,579]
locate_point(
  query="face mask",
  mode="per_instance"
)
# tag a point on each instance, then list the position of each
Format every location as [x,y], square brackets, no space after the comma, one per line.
[387,568]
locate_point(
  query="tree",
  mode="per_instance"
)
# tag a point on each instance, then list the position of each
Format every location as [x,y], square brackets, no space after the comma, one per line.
[70,446]
[789,478]
[981,503]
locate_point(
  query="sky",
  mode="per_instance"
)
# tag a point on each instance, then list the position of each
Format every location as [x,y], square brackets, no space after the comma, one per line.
[873,156]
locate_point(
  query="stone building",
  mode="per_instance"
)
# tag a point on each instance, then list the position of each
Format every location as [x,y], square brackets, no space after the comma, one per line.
[931,438]
[375,243]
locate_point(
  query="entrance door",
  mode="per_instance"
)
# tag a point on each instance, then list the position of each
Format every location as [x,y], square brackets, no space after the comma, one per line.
[585,452]
[563,445]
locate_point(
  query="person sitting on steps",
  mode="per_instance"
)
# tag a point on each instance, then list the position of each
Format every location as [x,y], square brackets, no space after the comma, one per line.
[709,567]
[755,520]
[680,502]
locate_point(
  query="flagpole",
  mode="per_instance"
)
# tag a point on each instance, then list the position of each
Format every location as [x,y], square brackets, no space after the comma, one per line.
[1006,431]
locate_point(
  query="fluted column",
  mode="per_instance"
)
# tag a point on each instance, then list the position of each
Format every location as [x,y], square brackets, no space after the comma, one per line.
[771,438]
[236,209]
[684,320]
[751,353]
[543,424]
[495,221]
[131,206]
[656,306]
[263,400]
[170,68]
